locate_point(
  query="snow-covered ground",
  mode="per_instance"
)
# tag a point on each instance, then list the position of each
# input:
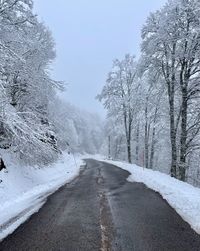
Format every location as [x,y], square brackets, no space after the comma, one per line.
[183,197]
[24,190]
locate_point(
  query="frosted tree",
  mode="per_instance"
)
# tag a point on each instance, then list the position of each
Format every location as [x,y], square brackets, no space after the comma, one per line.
[118,95]
[27,49]
[171,47]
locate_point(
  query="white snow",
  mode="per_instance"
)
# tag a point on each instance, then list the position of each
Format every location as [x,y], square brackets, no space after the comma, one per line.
[183,197]
[24,190]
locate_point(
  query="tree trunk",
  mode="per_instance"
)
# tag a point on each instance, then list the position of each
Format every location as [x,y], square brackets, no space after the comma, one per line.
[146,137]
[183,137]
[153,141]
[129,150]
[169,73]
[137,144]
[2,165]
[152,148]
[146,147]
[109,148]
[173,137]
[128,136]
[118,148]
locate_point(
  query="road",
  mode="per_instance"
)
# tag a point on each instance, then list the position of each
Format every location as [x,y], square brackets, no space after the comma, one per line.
[100,210]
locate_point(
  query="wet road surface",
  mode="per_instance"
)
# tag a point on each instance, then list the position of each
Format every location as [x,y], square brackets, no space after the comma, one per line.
[100,210]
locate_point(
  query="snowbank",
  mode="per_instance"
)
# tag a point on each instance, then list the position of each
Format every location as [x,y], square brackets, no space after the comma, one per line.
[183,197]
[24,190]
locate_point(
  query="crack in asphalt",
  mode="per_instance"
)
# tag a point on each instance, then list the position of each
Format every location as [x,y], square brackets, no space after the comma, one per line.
[105,241]
[105,216]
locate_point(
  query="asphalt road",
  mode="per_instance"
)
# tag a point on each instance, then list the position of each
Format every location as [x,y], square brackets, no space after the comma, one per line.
[100,210]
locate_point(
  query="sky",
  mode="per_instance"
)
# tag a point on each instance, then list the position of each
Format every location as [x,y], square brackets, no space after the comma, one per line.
[89,35]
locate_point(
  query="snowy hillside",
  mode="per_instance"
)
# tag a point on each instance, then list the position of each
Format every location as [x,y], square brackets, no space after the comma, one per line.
[23,190]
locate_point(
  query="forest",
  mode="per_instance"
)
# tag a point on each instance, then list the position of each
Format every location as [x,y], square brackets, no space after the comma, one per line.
[153,100]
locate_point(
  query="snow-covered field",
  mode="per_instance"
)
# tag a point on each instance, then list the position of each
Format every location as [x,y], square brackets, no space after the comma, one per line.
[24,190]
[183,197]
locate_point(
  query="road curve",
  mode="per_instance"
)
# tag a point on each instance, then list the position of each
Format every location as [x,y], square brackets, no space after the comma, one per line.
[100,210]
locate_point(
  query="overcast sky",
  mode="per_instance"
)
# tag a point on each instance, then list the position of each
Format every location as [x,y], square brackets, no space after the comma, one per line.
[89,34]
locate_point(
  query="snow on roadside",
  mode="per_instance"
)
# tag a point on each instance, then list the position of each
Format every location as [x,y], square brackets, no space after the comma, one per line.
[183,197]
[24,190]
